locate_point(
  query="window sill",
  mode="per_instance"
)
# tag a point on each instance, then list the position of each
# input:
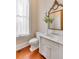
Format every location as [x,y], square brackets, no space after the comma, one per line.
[17,36]
[21,44]
[22,41]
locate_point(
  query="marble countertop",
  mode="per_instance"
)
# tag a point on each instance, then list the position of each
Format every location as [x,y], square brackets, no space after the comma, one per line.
[52,37]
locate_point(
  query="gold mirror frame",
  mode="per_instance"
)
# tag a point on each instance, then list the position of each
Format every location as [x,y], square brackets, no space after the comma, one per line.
[52,8]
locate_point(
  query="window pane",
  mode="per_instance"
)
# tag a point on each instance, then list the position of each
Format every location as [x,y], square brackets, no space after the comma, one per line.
[26,8]
[22,26]
[22,7]
[19,7]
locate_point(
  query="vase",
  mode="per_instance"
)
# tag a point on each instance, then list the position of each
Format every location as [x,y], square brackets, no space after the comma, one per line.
[48,29]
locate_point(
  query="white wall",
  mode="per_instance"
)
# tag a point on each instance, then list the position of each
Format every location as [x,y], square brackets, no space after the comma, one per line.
[44,6]
[34,16]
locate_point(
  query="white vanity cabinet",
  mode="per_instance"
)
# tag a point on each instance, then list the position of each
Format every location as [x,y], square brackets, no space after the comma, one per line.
[50,48]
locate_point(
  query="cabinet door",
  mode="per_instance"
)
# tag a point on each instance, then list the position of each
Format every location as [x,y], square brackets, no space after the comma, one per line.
[60,51]
[51,52]
[54,52]
[50,49]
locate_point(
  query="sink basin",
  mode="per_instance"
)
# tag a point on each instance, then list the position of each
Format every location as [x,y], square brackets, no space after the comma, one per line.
[57,34]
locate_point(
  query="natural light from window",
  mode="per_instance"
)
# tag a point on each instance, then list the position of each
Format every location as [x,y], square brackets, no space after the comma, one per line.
[22,17]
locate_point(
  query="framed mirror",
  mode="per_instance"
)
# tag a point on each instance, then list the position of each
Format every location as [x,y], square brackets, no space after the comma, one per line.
[57,18]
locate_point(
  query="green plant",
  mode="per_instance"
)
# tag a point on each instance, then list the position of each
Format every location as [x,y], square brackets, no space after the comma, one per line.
[48,20]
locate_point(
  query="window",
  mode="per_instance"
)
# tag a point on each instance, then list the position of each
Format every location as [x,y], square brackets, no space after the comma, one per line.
[22,17]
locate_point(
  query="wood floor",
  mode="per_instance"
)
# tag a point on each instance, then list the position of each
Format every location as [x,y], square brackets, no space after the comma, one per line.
[25,53]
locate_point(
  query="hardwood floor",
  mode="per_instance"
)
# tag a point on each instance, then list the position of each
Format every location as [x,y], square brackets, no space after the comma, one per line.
[25,53]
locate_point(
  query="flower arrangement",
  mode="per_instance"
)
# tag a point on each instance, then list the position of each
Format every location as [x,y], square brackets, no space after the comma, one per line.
[48,19]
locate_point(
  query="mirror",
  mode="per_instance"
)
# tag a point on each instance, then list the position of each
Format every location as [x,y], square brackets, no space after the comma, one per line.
[57,18]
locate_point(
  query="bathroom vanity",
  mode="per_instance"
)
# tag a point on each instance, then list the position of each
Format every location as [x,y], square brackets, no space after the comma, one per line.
[51,45]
